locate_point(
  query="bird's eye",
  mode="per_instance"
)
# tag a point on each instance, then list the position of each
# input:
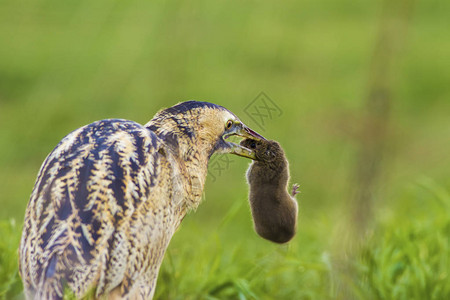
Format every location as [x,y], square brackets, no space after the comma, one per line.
[229,124]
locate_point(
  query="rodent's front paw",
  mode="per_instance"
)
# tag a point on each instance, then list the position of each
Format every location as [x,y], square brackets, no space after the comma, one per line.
[295,191]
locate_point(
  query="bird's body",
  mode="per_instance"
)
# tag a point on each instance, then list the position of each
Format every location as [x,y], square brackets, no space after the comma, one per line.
[110,196]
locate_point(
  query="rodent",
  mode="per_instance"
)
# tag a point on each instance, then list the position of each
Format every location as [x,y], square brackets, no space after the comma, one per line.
[274,210]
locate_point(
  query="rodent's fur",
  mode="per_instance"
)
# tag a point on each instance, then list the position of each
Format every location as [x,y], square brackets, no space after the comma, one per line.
[274,210]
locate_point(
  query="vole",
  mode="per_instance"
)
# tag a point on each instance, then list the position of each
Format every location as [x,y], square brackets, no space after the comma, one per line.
[274,210]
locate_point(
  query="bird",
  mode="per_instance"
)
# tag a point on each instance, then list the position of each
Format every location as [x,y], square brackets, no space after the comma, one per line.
[110,196]
[274,210]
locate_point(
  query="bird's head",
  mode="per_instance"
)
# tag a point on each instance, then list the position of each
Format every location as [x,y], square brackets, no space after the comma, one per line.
[227,125]
[206,126]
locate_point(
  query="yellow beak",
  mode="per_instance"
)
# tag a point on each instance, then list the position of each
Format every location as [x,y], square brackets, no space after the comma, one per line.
[244,132]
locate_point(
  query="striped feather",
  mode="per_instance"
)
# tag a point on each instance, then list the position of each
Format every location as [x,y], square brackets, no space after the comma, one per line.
[85,206]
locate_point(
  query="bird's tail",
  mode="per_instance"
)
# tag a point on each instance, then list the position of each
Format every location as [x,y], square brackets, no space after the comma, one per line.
[50,290]
[50,286]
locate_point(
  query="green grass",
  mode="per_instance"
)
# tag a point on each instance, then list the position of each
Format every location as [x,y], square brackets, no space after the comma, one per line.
[10,283]
[406,257]
[409,256]
[66,64]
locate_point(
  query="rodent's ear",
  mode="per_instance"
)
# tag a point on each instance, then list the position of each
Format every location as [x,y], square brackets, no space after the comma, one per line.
[275,146]
[272,155]
[269,153]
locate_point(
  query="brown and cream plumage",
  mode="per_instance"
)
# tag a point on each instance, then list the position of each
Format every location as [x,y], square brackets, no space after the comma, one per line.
[109,197]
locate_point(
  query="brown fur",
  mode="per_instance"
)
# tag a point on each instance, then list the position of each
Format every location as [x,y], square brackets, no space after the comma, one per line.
[274,210]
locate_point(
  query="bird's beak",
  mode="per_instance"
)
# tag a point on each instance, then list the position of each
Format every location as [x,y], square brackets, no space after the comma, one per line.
[243,131]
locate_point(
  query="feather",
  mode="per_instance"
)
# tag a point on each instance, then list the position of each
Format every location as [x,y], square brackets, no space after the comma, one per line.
[109,197]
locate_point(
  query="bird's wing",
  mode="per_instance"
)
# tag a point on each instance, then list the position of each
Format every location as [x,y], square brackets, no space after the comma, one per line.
[87,190]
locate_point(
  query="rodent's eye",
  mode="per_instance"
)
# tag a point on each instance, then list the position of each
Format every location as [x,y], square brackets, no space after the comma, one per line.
[253,145]
[229,124]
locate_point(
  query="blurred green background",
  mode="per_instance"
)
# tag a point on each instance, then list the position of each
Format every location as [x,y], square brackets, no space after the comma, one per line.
[64,64]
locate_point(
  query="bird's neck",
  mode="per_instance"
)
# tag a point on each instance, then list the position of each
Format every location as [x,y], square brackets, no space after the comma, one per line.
[190,153]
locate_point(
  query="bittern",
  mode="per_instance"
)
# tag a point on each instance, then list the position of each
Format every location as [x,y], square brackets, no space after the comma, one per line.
[109,197]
